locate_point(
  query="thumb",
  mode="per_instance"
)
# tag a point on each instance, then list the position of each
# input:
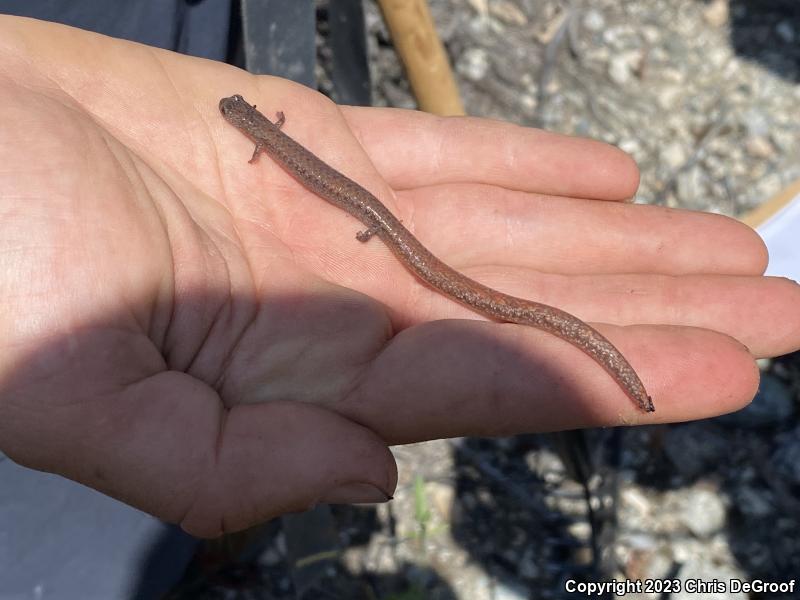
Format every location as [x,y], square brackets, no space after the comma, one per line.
[281,457]
[168,446]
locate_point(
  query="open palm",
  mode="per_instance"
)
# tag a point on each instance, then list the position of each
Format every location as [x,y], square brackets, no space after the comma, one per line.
[206,340]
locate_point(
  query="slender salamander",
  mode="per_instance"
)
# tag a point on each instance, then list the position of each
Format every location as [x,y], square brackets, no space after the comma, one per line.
[330,184]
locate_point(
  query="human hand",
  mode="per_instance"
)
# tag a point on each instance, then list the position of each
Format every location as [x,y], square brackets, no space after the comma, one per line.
[205,340]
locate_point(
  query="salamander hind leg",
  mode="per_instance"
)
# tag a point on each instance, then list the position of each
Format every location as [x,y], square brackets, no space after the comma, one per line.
[281,119]
[364,236]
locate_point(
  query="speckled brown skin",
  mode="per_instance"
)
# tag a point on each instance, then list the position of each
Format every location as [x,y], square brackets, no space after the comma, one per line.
[327,182]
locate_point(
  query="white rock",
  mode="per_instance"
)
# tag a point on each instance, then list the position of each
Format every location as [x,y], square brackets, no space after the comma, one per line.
[594,20]
[759,147]
[619,69]
[668,95]
[702,511]
[634,500]
[509,591]
[474,64]
[716,13]
[673,155]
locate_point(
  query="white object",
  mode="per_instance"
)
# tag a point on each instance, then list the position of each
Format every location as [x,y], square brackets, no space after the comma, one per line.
[781,233]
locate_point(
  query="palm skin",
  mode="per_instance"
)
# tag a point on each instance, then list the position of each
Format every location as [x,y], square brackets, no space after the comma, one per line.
[206,340]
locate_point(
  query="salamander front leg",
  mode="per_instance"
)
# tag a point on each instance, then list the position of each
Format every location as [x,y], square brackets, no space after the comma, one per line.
[256,151]
[260,146]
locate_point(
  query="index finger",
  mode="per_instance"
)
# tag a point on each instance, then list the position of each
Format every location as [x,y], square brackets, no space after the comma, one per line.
[413,149]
